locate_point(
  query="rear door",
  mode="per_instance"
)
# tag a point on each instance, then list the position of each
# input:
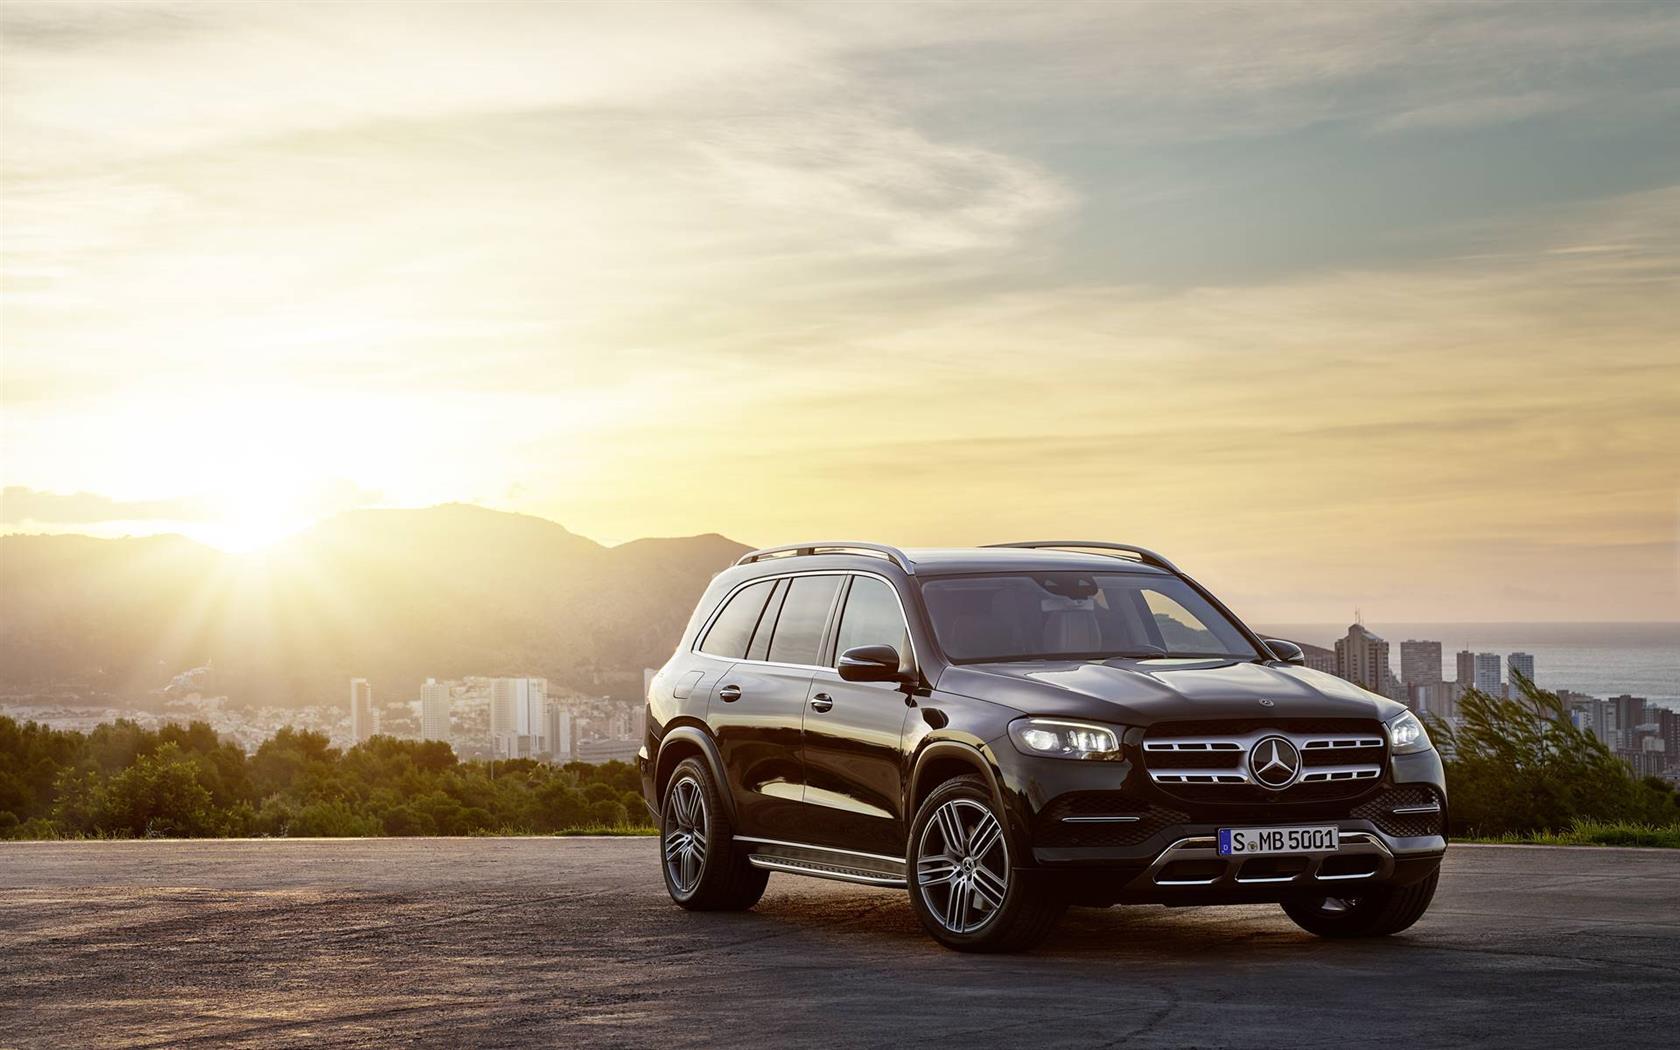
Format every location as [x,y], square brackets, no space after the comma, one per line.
[757,710]
[854,765]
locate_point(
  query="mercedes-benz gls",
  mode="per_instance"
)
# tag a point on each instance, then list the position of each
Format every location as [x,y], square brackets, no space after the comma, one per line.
[1005,731]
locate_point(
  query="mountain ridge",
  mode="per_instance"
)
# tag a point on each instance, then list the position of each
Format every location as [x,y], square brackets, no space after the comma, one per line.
[393,595]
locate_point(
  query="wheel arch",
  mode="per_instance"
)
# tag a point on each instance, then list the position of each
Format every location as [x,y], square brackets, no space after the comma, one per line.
[687,741]
[943,760]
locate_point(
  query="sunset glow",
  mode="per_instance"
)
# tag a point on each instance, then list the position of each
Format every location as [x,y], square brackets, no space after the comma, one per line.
[1364,305]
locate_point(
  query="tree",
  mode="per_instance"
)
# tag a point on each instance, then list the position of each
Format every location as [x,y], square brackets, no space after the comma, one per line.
[1519,765]
[158,796]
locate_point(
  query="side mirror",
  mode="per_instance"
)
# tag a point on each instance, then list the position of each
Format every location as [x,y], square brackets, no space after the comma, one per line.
[1288,652]
[870,663]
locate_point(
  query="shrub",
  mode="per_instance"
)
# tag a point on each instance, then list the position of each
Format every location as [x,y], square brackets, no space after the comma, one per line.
[1519,765]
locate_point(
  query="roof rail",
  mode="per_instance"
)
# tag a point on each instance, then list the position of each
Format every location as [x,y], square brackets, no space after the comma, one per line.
[1143,554]
[798,550]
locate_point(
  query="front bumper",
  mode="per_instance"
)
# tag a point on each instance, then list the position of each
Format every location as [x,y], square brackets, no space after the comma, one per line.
[1111,835]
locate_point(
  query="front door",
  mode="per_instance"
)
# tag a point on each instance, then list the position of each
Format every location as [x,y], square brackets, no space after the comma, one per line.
[854,764]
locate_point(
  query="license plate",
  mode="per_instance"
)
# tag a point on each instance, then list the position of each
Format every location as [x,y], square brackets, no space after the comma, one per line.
[1247,842]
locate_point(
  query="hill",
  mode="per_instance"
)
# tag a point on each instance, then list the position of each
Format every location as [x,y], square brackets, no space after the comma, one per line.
[391,595]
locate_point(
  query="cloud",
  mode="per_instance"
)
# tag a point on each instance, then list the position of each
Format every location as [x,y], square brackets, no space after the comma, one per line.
[19,504]
[1273,284]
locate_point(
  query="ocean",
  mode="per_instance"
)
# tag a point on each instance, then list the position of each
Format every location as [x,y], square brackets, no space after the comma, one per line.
[1599,659]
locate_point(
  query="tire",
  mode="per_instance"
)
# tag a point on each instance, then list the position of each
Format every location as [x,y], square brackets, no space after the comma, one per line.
[703,869]
[974,898]
[1380,911]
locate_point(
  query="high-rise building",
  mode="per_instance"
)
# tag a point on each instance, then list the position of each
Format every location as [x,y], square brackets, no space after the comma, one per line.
[1668,727]
[1362,658]
[434,710]
[1519,663]
[1466,674]
[1485,675]
[1596,716]
[559,732]
[362,723]
[516,717]
[1420,670]
[1630,715]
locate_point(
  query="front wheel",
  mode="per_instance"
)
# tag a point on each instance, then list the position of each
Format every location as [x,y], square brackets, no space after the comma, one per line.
[1376,912]
[963,885]
[704,871]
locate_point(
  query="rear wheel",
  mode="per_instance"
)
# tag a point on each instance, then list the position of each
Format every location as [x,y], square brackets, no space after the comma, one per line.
[703,869]
[1375,912]
[963,885]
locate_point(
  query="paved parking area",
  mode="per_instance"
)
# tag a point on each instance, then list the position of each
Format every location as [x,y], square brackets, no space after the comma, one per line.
[540,942]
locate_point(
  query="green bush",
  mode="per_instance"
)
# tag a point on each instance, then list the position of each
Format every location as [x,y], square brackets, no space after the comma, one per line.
[122,780]
[1518,766]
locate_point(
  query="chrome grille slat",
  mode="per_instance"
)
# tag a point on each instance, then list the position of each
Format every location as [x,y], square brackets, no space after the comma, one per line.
[1324,773]
[1227,761]
[1198,776]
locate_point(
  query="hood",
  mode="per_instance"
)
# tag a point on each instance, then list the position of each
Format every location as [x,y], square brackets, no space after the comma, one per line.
[1143,692]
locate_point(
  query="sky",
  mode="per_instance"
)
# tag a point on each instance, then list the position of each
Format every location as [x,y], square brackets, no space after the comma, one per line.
[1340,306]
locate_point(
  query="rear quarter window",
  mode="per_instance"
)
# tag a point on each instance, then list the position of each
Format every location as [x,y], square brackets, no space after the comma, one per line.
[733,628]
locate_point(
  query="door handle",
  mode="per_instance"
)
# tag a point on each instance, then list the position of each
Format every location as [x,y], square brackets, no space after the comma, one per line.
[822,702]
[729,694]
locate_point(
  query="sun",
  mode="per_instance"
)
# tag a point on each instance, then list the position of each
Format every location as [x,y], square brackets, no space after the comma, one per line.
[255,514]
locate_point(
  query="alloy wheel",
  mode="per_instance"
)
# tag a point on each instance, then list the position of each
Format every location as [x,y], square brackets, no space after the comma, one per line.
[685,835]
[962,866]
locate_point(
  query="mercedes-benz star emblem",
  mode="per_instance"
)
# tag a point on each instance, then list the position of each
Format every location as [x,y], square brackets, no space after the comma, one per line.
[1265,703]
[1274,763]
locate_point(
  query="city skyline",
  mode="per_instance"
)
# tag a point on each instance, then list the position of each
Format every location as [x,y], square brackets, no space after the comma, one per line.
[1366,304]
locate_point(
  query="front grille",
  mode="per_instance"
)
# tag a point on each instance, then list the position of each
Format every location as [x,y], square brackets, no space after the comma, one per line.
[1076,819]
[1414,797]
[1208,761]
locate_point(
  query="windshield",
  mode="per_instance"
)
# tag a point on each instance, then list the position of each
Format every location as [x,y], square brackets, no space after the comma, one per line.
[1076,615]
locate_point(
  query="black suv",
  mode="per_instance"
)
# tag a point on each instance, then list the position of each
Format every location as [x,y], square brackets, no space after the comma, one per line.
[1009,730]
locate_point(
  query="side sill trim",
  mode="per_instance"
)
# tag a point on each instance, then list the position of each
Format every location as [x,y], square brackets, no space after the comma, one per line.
[819,849]
[820,872]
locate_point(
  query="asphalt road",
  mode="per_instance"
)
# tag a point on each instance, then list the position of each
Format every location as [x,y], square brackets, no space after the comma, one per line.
[537,942]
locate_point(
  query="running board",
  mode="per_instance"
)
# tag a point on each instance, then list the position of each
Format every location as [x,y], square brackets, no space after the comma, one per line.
[822,870]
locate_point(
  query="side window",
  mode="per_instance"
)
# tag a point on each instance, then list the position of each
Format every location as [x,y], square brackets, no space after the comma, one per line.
[760,647]
[799,628]
[733,627]
[871,617]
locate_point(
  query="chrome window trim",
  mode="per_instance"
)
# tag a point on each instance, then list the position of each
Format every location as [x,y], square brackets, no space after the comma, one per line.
[700,635]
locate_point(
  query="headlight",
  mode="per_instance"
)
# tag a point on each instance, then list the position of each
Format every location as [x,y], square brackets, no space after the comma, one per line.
[1058,739]
[1406,735]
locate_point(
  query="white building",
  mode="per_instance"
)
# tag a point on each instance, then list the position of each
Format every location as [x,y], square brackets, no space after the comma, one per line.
[434,710]
[1487,673]
[362,719]
[516,717]
[558,732]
